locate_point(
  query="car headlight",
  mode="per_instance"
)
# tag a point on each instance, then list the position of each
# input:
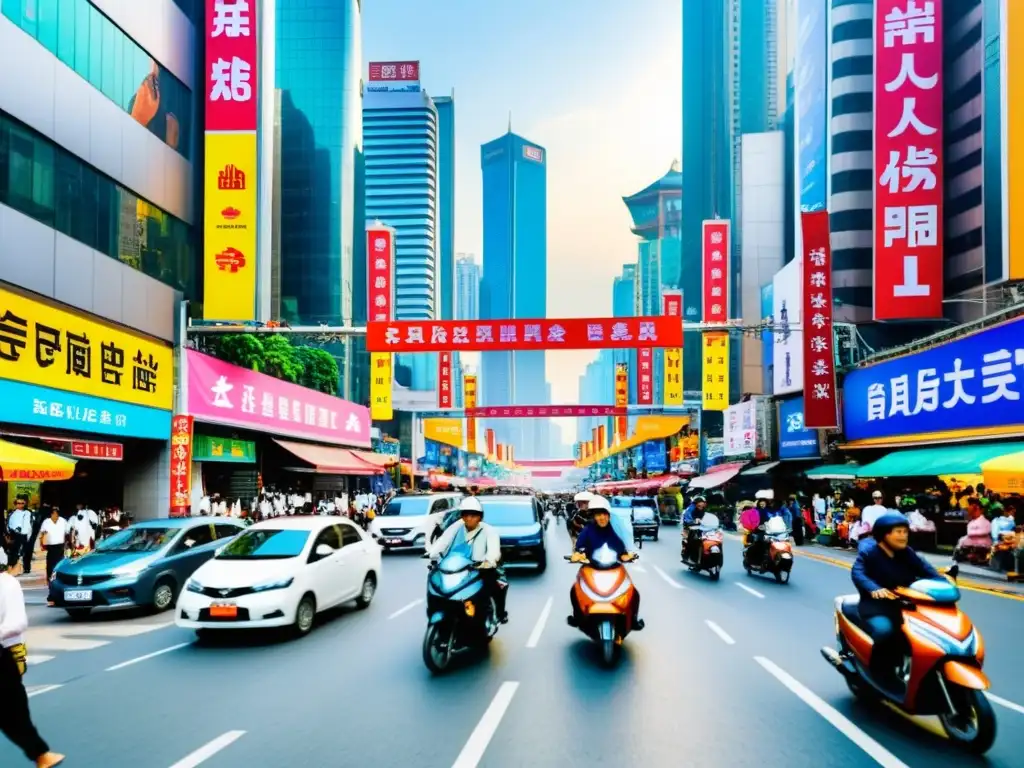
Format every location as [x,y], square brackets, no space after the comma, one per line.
[194,586]
[133,569]
[280,584]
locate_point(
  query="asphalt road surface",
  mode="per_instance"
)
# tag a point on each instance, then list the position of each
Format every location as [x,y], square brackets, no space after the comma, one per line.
[725,674]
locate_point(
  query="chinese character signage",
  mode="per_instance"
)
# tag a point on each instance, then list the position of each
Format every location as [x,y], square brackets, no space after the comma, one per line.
[221,393]
[61,349]
[181,466]
[380,301]
[505,335]
[621,399]
[230,170]
[469,395]
[796,441]
[715,371]
[445,431]
[715,258]
[740,428]
[645,376]
[223,450]
[672,307]
[820,403]
[380,387]
[543,411]
[972,384]
[391,76]
[444,380]
[88,449]
[908,176]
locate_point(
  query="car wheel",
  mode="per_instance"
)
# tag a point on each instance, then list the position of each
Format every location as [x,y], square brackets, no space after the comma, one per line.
[655,535]
[163,595]
[542,562]
[367,592]
[305,615]
[78,614]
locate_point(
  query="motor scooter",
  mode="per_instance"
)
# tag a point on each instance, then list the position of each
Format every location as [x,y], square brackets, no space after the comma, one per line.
[776,552]
[706,553]
[940,673]
[459,619]
[605,595]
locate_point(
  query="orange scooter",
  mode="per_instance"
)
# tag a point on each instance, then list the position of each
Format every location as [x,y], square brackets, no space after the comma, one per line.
[776,552]
[941,670]
[605,594]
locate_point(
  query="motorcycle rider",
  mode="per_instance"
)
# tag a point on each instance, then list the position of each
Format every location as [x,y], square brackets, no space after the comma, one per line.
[596,534]
[691,525]
[883,564]
[484,544]
[756,538]
[575,522]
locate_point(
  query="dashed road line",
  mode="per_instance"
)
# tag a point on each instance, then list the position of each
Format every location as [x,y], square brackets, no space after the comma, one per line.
[542,621]
[668,579]
[722,634]
[405,608]
[473,752]
[208,750]
[745,588]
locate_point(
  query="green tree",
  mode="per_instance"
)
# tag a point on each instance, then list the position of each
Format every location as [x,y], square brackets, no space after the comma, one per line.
[244,349]
[319,369]
[280,360]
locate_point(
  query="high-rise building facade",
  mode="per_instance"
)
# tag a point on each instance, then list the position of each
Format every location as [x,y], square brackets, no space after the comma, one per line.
[467,287]
[514,282]
[446,204]
[320,253]
[400,140]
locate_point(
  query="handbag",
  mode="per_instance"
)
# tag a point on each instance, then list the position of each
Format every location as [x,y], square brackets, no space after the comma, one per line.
[20,655]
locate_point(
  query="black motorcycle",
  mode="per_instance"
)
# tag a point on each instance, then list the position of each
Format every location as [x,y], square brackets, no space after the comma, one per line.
[460,618]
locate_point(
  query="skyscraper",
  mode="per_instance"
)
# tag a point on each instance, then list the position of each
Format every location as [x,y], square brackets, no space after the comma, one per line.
[446,203]
[514,283]
[467,287]
[400,132]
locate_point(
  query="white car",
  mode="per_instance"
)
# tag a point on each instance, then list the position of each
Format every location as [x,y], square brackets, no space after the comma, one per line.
[409,519]
[281,573]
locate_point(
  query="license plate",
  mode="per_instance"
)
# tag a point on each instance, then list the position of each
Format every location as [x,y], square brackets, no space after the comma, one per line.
[393,541]
[78,595]
[224,611]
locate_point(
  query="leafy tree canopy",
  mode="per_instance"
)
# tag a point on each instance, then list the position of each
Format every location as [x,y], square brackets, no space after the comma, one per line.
[276,356]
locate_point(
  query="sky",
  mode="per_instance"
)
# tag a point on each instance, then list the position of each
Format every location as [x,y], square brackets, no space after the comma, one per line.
[598,83]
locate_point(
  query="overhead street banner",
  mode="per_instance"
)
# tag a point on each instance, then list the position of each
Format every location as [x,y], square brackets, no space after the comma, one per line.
[543,411]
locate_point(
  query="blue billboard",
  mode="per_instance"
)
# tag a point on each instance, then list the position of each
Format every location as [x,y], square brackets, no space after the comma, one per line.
[811,103]
[795,441]
[655,461]
[972,383]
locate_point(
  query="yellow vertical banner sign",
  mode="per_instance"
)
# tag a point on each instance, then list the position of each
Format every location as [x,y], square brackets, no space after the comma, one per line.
[621,399]
[380,387]
[1011,55]
[469,398]
[716,371]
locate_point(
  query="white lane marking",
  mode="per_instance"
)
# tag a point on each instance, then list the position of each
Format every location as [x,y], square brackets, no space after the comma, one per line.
[207,751]
[668,579]
[136,660]
[542,621]
[117,630]
[639,569]
[405,608]
[720,632]
[745,588]
[1005,703]
[473,752]
[38,658]
[42,689]
[872,748]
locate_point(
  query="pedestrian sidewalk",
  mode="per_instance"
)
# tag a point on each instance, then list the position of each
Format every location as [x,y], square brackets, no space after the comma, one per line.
[37,577]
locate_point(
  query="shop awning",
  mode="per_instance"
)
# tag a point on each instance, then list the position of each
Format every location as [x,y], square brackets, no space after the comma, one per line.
[19,462]
[833,472]
[647,428]
[672,481]
[328,460]
[931,462]
[760,469]
[1005,474]
[715,477]
[381,460]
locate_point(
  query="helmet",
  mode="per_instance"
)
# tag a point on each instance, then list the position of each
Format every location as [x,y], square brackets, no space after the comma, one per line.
[583,496]
[599,504]
[699,498]
[472,505]
[885,523]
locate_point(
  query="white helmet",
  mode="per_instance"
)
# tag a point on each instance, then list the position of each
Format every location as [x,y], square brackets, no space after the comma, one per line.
[583,496]
[599,504]
[471,504]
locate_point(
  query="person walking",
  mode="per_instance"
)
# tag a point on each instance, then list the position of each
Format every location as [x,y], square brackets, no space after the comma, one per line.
[16,720]
[19,525]
[54,533]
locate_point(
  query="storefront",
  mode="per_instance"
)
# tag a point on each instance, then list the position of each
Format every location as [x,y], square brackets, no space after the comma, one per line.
[94,392]
[253,431]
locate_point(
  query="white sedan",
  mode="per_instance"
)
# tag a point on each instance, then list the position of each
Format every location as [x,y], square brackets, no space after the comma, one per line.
[281,573]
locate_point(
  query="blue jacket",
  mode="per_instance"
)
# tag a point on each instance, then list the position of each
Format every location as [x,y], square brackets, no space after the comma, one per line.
[874,570]
[593,537]
[688,513]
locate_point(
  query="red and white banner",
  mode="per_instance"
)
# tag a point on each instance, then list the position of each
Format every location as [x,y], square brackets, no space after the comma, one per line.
[715,260]
[819,345]
[89,449]
[542,411]
[380,270]
[621,399]
[469,396]
[908,159]
[504,335]
[645,376]
[394,71]
[181,466]
[231,64]
[444,380]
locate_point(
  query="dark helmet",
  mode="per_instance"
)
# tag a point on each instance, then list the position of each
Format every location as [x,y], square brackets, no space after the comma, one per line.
[883,525]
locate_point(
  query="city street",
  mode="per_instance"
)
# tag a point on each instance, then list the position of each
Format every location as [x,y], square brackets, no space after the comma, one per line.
[725,674]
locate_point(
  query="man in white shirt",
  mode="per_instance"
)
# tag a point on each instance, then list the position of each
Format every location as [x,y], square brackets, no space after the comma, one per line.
[19,525]
[54,534]
[873,511]
[84,534]
[484,545]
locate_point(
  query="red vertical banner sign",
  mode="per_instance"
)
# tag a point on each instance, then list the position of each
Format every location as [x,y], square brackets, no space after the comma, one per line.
[601,444]
[444,379]
[715,246]
[672,383]
[645,376]
[469,395]
[819,345]
[490,442]
[908,160]
[501,452]
[181,466]
[621,399]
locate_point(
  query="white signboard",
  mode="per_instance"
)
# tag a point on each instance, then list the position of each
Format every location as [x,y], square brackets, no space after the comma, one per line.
[788,354]
[741,429]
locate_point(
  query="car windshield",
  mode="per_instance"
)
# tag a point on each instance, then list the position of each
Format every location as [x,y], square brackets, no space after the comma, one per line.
[265,544]
[409,506]
[141,539]
[509,512]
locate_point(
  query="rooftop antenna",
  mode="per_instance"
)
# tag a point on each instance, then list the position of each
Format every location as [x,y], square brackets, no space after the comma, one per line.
[675,167]
[510,121]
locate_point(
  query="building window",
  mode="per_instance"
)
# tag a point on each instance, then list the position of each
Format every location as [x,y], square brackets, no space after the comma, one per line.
[94,47]
[54,187]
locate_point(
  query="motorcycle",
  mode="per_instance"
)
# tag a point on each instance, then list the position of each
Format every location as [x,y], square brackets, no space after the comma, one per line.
[605,594]
[776,552]
[709,547]
[940,673]
[459,619]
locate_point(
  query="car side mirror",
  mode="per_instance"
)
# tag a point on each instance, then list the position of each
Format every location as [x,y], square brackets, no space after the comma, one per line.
[953,571]
[323,550]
